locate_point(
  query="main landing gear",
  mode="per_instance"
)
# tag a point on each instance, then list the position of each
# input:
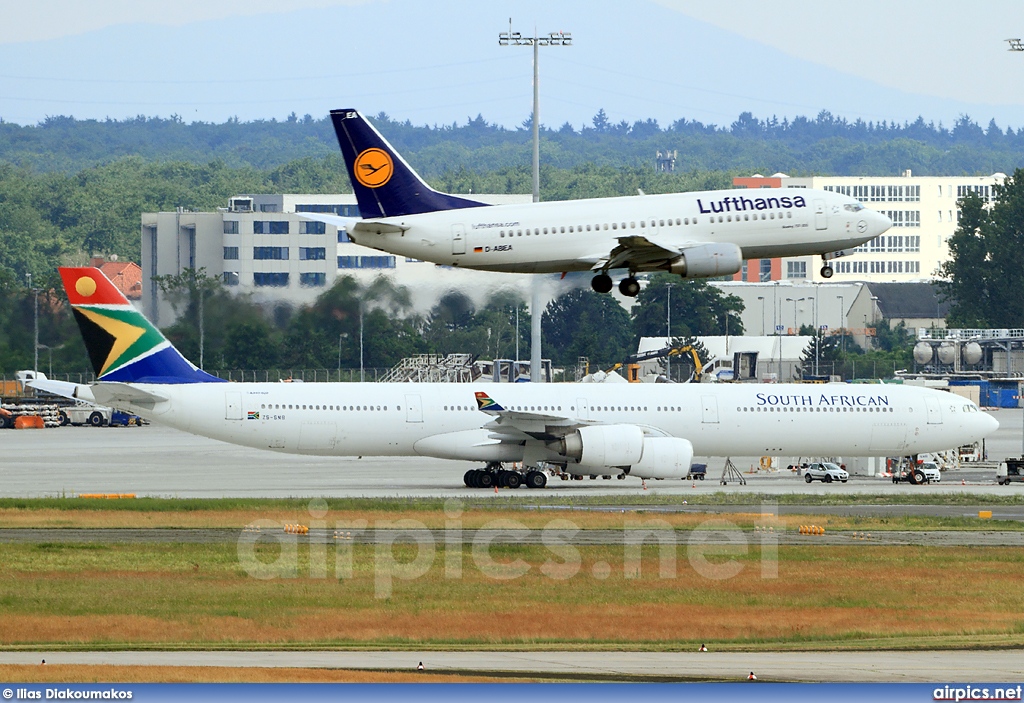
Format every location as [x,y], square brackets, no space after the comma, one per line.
[494,475]
[629,286]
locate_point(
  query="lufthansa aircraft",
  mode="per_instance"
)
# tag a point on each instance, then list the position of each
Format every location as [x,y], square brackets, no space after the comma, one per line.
[696,235]
[643,430]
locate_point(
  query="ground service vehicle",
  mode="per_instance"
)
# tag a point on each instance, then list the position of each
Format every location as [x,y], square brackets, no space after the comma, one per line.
[825,471]
[1011,470]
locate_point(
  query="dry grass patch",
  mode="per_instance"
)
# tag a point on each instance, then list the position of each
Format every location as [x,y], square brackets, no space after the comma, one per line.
[192,595]
[86,673]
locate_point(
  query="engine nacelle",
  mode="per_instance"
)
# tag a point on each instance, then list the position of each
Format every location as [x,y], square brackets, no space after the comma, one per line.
[603,446]
[708,261]
[664,457]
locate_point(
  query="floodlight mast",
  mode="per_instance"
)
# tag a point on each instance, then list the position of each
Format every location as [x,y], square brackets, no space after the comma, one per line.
[511,38]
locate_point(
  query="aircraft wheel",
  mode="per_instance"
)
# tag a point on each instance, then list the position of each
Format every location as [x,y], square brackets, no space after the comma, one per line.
[629,287]
[513,479]
[536,479]
[602,283]
[827,271]
[486,479]
[468,478]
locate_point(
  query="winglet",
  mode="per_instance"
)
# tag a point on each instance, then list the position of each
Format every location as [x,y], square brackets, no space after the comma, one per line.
[485,404]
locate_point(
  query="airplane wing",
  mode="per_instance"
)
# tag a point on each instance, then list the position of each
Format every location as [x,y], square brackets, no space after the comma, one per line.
[354,224]
[521,425]
[637,251]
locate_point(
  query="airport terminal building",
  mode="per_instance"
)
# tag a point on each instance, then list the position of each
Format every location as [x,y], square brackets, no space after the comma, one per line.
[259,245]
[924,215]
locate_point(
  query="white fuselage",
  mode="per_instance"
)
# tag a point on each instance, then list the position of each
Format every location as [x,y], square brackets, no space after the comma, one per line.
[442,420]
[577,235]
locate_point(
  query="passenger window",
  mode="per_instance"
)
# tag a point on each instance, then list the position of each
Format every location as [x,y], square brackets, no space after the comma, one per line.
[588,228]
[643,223]
[614,226]
[661,223]
[502,234]
[561,230]
[545,230]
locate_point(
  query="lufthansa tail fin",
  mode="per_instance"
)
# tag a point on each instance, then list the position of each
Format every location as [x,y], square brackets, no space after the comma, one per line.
[384,184]
[122,344]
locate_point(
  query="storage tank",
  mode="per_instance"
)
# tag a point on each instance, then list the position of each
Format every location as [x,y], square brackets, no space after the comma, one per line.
[971,353]
[946,353]
[923,353]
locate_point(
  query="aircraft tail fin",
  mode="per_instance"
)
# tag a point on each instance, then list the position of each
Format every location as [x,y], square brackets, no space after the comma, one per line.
[122,344]
[384,184]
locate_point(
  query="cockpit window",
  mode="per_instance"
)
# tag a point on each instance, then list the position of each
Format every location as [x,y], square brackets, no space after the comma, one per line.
[853,207]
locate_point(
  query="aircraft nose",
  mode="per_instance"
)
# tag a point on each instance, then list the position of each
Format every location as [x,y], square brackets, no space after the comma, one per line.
[988,424]
[878,223]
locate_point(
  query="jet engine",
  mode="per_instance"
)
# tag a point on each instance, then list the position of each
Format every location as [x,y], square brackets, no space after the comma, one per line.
[664,457]
[708,261]
[602,446]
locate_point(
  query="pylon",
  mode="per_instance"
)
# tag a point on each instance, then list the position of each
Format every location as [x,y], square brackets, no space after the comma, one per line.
[644,481]
[495,489]
[962,482]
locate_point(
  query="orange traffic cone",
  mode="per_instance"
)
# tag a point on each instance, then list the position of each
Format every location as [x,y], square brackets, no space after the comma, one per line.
[495,489]
[962,482]
[644,482]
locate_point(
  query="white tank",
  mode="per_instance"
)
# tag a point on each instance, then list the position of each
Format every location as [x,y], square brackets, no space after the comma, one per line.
[923,352]
[946,353]
[971,353]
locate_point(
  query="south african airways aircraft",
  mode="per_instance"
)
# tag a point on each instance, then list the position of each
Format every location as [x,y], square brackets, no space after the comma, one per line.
[696,235]
[643,430]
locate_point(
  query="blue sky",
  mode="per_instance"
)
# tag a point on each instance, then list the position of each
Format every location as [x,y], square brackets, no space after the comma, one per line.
[440,62]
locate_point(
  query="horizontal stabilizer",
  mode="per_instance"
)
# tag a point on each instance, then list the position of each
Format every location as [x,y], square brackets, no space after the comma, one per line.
[75,391]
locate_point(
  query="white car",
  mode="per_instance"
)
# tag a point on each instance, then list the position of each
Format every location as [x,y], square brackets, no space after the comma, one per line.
[931,471]
[825,471]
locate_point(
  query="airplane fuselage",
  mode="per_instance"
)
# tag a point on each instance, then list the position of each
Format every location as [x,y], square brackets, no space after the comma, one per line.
[576,235]
[442,420]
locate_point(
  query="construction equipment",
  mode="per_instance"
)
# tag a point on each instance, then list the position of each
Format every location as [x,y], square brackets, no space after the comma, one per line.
[632,363]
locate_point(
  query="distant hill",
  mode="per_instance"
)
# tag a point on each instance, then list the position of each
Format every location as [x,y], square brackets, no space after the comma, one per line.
[824,145]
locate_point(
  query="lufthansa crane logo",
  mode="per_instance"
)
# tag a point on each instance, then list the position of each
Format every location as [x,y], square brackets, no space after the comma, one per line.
[373,168]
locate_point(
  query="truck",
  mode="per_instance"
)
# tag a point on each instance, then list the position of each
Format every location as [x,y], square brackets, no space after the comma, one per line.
[1011,470]
[97,416]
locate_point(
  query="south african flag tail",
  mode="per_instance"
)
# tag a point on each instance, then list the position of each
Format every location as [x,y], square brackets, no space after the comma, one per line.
[122,344]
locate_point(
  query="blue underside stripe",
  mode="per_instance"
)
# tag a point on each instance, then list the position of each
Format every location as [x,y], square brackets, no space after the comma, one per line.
[165,366]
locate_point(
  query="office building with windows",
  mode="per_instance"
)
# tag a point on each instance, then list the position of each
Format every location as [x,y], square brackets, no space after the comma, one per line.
[923,211]
[260,246]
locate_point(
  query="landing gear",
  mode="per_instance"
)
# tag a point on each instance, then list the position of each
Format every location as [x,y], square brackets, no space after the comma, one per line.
[494,475]
[602,283]
[629,287]
[827,271]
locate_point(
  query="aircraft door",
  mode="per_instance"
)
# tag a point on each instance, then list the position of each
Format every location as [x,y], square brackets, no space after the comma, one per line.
[934,411]
[458,239]
[820,214]
[709,409]
[582,409]
[232,406]
[413,409]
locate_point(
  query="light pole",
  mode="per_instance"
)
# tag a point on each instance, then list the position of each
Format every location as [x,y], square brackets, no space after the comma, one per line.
[668,329]
[842,324]
[874,318]
[511,38]
[761,298]
[362,376]
[35,325]
[340,338]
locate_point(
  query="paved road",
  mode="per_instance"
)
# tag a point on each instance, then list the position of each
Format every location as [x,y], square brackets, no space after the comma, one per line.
[159,461]
[934,538]
[1005,666]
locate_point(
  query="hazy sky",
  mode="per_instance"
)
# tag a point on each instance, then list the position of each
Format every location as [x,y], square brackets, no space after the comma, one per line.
[439,62]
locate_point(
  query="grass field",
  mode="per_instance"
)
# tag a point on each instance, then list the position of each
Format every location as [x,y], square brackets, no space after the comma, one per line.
[82,673]
[198,596]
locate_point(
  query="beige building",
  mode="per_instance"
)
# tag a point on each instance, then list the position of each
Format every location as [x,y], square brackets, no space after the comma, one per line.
[258,245]
[924,215]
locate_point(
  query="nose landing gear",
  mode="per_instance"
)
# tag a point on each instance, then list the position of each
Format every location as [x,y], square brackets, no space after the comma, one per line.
[827,271]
